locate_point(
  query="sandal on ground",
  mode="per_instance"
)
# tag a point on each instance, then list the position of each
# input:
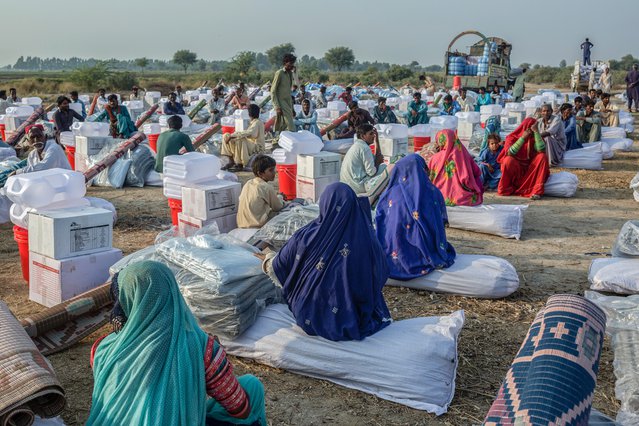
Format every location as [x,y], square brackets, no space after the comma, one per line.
[535,197]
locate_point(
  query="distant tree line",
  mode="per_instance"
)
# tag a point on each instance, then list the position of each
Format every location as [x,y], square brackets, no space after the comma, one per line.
[339,58]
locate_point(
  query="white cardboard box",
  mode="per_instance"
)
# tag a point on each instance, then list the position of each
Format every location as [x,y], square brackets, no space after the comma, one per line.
[393,147]
[53,281]
[187,225]
[91,145]
[517,115]
[85,146]
[312,188]
[210,201]
[318,165]
[60,234]
[465,129]
[241,124]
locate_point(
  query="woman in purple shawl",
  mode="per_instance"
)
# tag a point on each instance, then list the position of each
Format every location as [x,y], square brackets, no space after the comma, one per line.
[410,219]
[332,271]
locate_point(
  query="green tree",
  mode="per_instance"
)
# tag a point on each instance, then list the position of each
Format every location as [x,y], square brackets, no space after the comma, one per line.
[141,63]
[276,53]
[624,64]
[201,65]
[184,58]
[562,64]
[398,72]
[88,78]
[241,67]
[524,65]
[340,57]
[414,65]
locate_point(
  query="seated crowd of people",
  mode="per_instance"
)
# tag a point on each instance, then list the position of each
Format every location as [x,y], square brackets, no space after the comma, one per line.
[339,259]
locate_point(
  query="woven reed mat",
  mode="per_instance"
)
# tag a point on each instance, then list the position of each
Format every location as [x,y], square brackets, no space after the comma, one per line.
[28,385]
[552,379]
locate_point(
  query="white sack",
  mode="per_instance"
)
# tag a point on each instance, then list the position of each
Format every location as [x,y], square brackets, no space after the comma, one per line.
[589,158]
[562,184]
[615,275]
[243,234]
[606,152]
[471,275]
[496,219]
[410,362]
[627,242]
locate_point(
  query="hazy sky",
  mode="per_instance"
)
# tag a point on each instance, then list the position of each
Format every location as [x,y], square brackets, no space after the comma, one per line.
[398,31]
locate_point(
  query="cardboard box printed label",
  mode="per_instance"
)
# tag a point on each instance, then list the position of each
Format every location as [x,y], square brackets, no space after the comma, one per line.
[319,165]
[60,234]
[188,226]
[86,146]
[211,201]
[53,281]
[312,188]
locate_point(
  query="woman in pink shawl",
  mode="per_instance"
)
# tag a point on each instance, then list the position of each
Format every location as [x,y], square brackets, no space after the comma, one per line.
[454,172]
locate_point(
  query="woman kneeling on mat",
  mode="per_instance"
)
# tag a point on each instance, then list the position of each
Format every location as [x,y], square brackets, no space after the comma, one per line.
[159,367]
[332,271]
[410,219]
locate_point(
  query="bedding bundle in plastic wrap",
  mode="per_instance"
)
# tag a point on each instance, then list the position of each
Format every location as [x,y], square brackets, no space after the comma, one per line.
[281,228]
[627,242]
[114,175]
[142,162]
[623,325]
[227,309]
[220,279]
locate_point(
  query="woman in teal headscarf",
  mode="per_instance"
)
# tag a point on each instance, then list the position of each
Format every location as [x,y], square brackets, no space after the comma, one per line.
[159,366]
[493,125]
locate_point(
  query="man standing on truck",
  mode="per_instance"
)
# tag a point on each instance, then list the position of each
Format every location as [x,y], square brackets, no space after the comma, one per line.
[585,46]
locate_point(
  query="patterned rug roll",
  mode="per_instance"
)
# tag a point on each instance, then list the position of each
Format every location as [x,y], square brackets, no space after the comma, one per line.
[63,325]
[552,379]
[28,385]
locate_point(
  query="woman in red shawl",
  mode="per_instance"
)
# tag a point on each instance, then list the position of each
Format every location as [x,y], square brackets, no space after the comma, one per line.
[454,172]
[524,163]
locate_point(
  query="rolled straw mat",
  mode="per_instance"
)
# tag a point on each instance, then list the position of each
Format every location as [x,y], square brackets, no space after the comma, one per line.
[63,325]
[28,385]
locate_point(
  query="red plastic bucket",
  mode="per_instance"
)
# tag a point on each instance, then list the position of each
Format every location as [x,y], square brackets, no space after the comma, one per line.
[228,129]
[71,155]
[176,207]
[457,82]
[419,142]
[153,142]
[21,236]
[287,175]
[2,129]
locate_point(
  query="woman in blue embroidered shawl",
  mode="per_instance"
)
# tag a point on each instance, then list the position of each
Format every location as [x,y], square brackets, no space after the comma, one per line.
[410,219]
[332,271]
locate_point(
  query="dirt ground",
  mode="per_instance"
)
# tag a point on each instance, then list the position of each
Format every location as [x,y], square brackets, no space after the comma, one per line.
[551,257]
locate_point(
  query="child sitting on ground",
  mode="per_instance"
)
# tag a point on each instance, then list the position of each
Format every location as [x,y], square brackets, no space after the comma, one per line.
[487,162]
[258,201]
